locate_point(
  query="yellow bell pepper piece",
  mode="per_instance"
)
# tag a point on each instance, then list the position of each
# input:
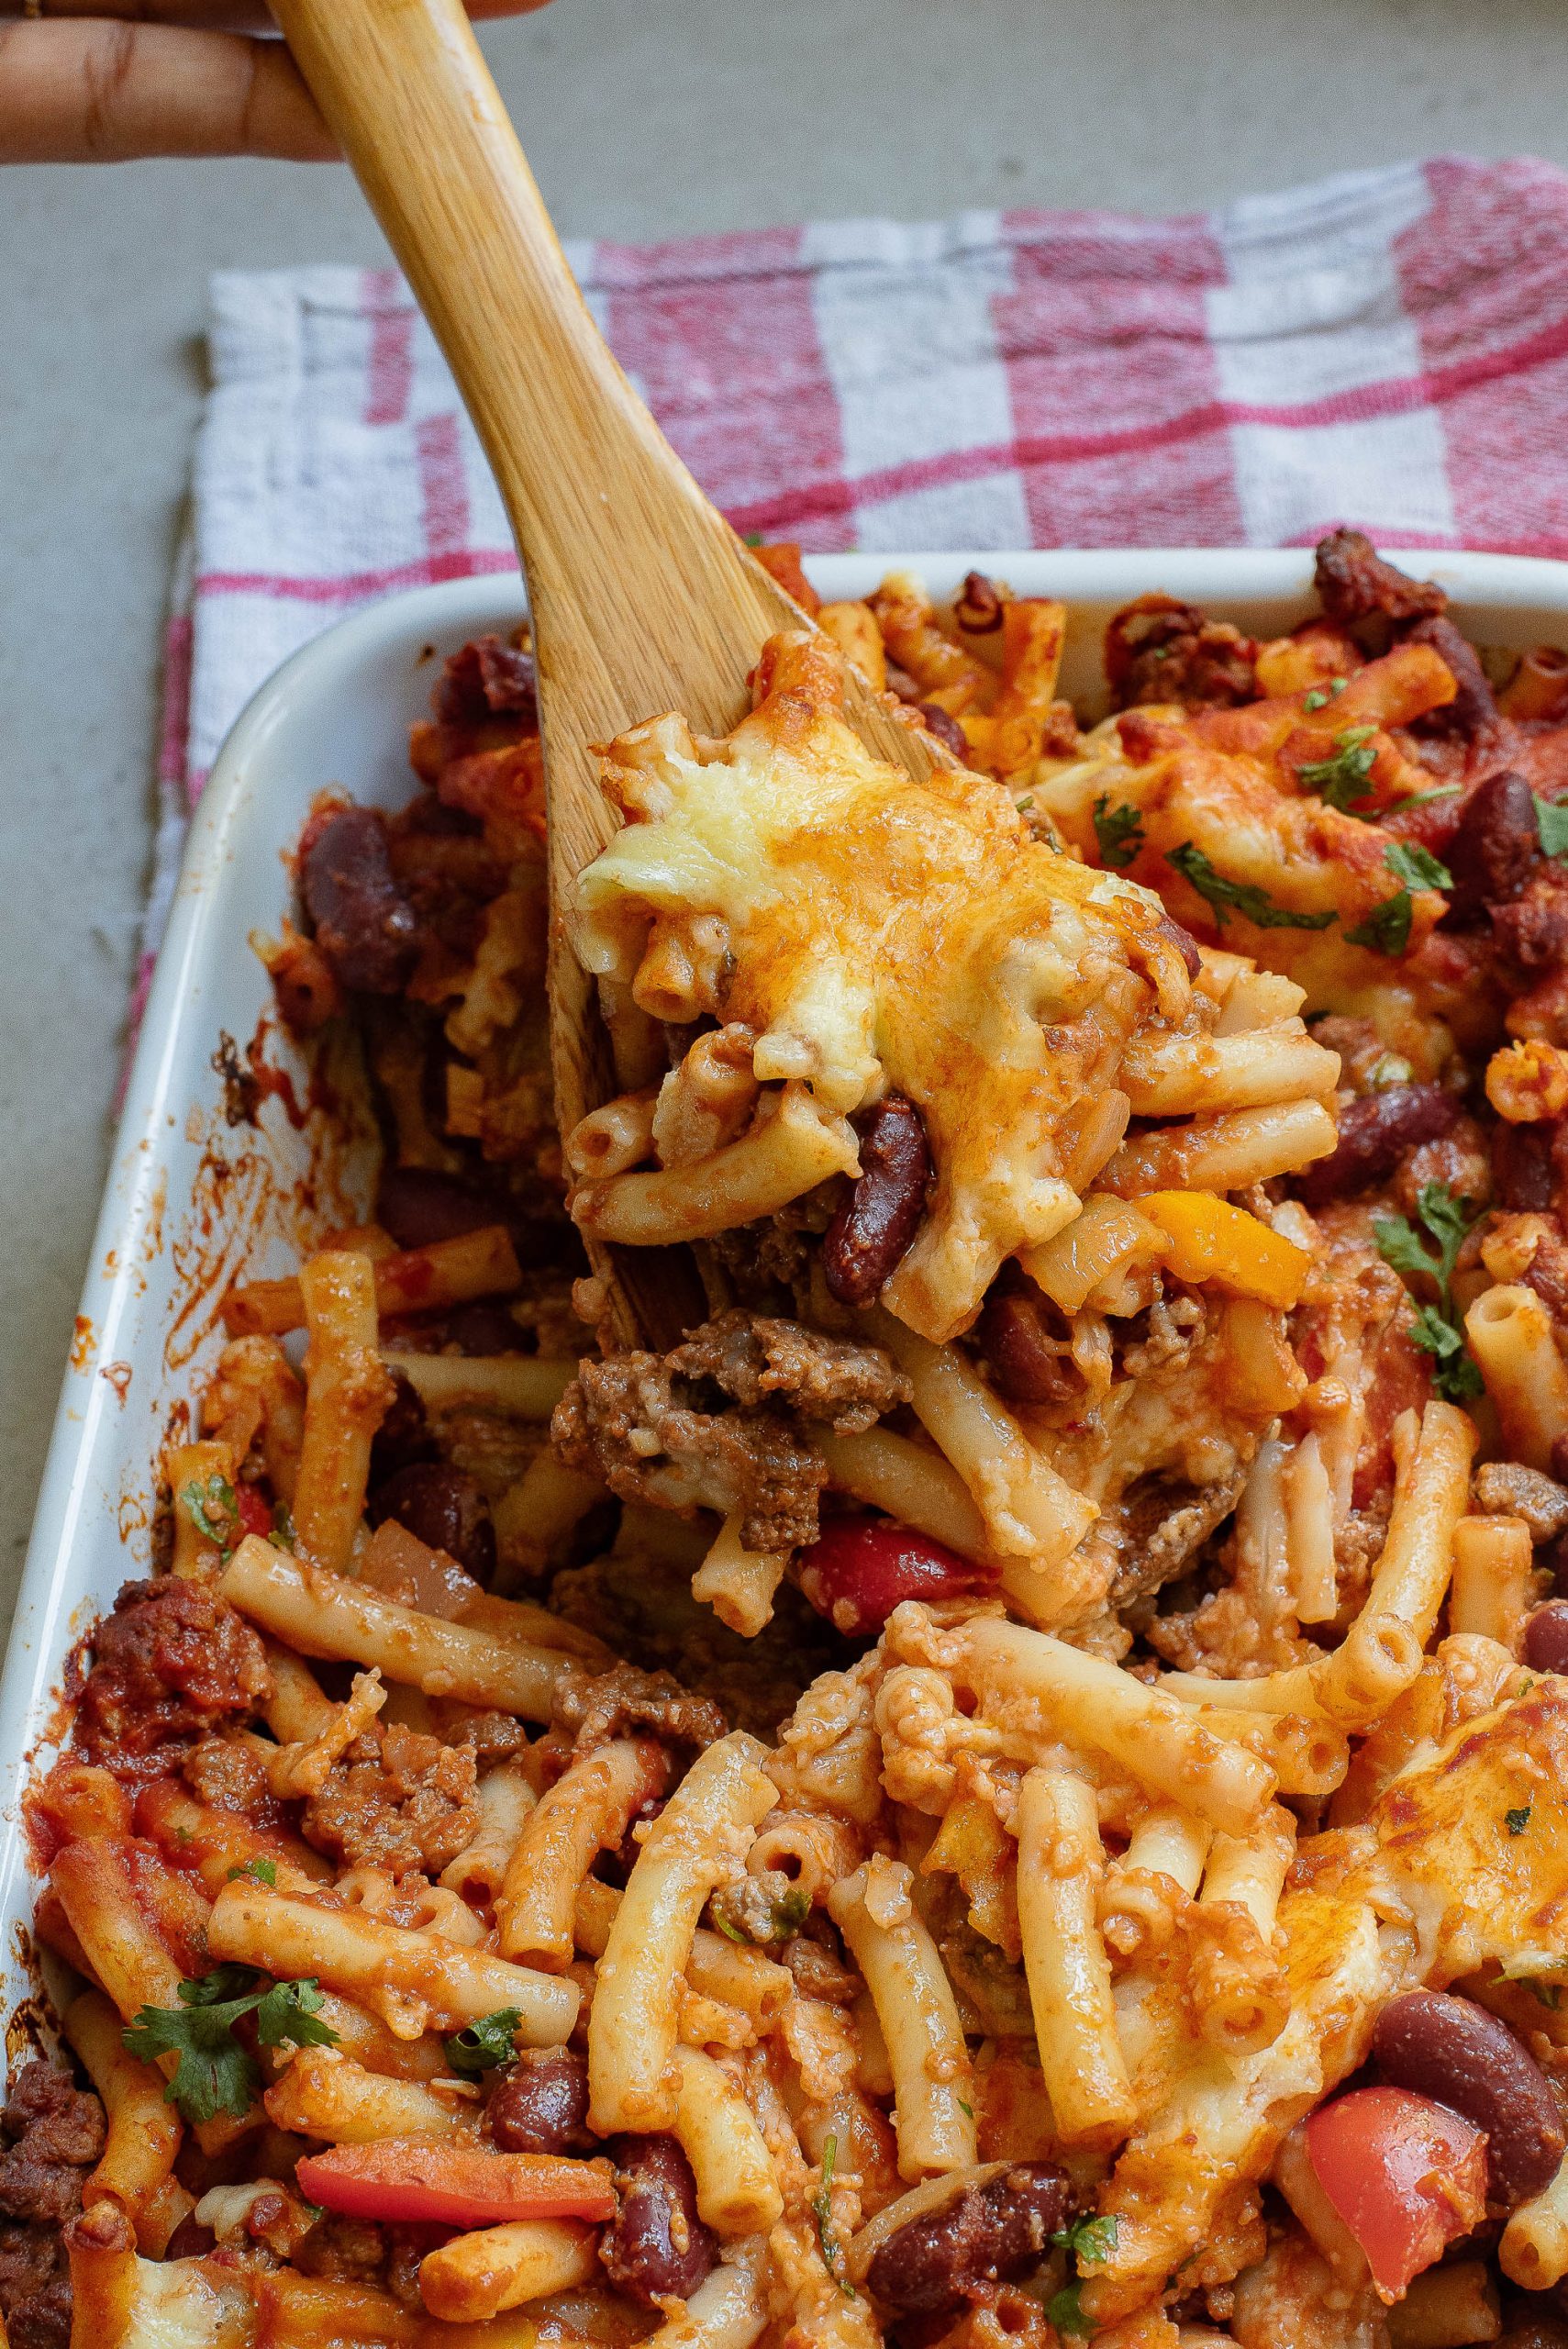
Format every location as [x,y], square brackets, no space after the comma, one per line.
[1209,1239]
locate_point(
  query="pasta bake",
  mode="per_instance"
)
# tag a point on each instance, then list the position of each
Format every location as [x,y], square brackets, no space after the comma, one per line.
[1011,1786]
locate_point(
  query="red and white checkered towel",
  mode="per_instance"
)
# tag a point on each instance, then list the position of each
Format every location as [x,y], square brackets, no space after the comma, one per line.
[1386,348]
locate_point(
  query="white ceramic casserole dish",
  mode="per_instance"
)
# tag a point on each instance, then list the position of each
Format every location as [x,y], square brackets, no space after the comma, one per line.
[195,1198]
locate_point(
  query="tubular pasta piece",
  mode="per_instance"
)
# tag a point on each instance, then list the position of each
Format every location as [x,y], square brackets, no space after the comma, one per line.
[523,1386]
[346,1398]
[322,2092]
[1511,1336]
[327,1615]
[919,2019]
[913,1482]
[506,1800]
[727,2311]
[793,1144]
[1249,1870]
[361,1957]
[1089,1702]
[1060,1866]
[1493,1578]
[736,1582]
[1201,1075]
[144,2133]
[1224,1154]
[1534,2249]
[476,2275]
[588,1810]
[1107,1237]
[412,1280]
[193,1470]
[738,2187]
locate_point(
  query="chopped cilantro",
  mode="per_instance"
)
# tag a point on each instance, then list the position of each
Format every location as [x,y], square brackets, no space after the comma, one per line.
[1089,2239]
[1437,1329]
[1119,831]
[1028,802]
[215,2073]
[827,2234]
[257,1871]
[1517,1820]
[1386,929]
[1253,903]
[282,1535]
[1065,2309]
[1321,695]
[1425,798]
[1344,778]
[755,538]
[482,2045]
[1552,822]
[967,2109]
[212,1510]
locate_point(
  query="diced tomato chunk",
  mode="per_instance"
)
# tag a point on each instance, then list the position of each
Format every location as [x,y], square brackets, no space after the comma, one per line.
[860,1568]
[255,1509]
[1406,2175]
[420,2178]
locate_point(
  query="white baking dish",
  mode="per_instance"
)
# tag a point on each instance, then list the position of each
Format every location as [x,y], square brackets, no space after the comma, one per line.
[192,1200]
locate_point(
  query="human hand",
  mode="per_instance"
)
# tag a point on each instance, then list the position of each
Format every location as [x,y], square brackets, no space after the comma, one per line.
[101,80]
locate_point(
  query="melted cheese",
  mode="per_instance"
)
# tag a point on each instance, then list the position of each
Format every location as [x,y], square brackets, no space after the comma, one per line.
[879,932]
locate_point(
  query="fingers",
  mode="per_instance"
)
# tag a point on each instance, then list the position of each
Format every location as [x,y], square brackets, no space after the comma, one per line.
[93,92]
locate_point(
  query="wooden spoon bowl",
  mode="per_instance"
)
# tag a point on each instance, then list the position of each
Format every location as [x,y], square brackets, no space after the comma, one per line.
[643,597]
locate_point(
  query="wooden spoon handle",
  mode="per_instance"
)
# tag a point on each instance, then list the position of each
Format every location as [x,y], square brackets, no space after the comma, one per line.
[409,94]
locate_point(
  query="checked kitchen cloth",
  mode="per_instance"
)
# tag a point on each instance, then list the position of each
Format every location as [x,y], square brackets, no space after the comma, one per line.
[1387,348]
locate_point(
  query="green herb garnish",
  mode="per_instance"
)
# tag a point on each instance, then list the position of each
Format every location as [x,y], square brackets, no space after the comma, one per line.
[1253,903]
[1552,822]
[257,1871]
[827,2233]
[212,1510]
[481,2046]
[1343,778]
[1517,1820]
[1090,2240]
[1321,695]
[1386,929]
[1437,1329]
[1065,2309]
[215,2073]
[1119,831]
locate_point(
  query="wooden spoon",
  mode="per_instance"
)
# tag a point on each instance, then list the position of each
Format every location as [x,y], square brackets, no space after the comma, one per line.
[643,597]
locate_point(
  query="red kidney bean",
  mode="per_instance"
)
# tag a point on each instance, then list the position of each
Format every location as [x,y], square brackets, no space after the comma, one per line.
[404,1435]
[978,608]
[483,1328]
[190,2239]
[945,727]
[1015,1334]
[873,1229]
[444,1507]
[1496,844]
[1454,2052]
[364,925]
[1521,1168]
[657,2247]
[1375,1133]
[540,2104]
[983,2235]
[486,679]
[1472,712]
[860,1568]
[1545,1645]
[419,1206]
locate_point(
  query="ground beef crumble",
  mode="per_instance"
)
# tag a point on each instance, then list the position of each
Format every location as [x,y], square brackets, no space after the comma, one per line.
[397,1800]
[661,1430]
[173,1659]
[592,1711]
[54,2134]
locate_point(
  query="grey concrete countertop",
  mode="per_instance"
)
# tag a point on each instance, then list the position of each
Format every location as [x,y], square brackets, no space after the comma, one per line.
[642,118]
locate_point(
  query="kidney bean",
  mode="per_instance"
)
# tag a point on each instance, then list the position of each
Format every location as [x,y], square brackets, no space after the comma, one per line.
[1496,844]
[1374,1134]
[364,925]
[483,1327]
[657,2246]
[983,2235]
[1457,2054]
[1521,1168]
[486,679]
[1014,1330]
[404,1435]
[190,2239]
[1545,1645]
[1183,941]
[444,1507]
[540,2104]
[978,608]
[1472,712]
[873,1229]
[860,1568]
[419,1206]
[945,727]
